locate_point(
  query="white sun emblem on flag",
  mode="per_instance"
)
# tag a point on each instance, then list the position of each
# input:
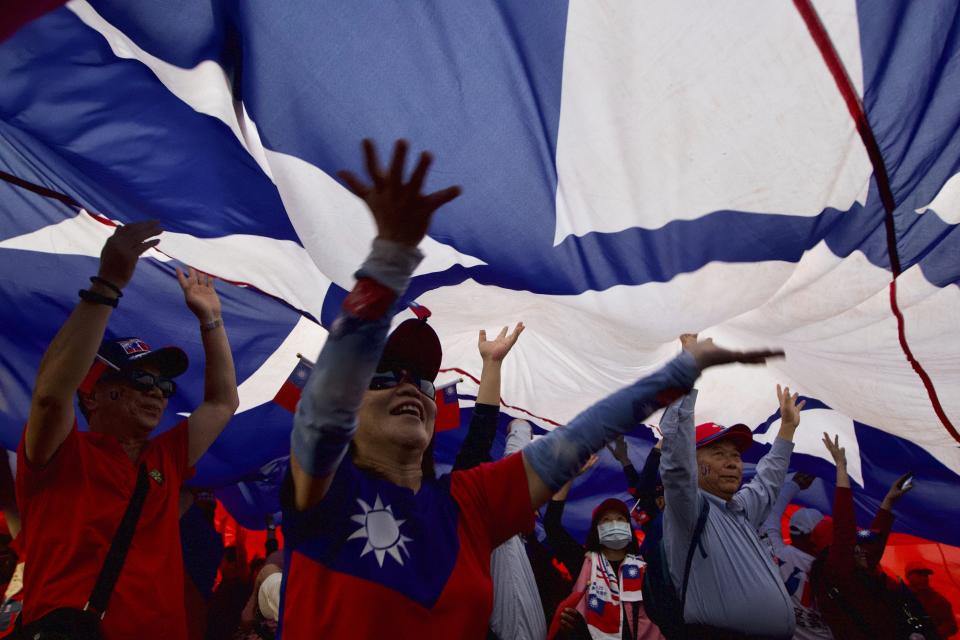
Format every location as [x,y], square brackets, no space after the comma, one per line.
[382,531]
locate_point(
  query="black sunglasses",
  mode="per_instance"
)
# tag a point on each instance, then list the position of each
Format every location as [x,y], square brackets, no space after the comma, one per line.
[390,379]
[144,381]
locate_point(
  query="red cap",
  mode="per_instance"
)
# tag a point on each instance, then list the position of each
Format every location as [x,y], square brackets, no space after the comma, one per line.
[413,346]
[610,504]
[822,534]
[710,432]
[917,565]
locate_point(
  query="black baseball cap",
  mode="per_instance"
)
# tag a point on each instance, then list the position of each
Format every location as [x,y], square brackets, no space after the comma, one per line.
[127,353]
[415,347]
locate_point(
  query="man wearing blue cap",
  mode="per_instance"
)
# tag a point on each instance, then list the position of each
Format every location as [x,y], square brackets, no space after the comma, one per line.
[733,590]
[76,488]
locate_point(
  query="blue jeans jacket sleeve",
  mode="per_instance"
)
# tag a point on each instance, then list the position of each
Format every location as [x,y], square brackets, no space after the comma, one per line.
[326,417]
[557,457]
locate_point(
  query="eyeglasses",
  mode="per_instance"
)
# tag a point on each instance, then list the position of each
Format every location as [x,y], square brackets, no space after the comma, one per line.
[144,381]
[390,379]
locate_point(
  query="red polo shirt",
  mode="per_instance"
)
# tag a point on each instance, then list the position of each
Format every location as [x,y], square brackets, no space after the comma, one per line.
[71,508]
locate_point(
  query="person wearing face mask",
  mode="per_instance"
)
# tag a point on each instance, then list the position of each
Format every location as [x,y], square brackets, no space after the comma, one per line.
[607,601]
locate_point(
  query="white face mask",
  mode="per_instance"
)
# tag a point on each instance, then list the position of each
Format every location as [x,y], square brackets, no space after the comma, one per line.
[614,535]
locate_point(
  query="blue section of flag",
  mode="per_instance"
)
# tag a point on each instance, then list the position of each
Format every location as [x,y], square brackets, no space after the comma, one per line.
[143,153]
[342,534]
[596,605]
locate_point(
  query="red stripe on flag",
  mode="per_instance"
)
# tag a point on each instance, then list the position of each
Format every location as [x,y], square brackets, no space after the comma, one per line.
[288,396]
[448,409]
[854,105]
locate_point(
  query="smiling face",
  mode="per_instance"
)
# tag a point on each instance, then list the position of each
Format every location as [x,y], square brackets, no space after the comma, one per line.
[115,406]
[720,469]
[399,417]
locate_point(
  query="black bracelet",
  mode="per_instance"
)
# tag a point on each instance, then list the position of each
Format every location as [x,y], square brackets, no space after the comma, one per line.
[96,298]
[107,284]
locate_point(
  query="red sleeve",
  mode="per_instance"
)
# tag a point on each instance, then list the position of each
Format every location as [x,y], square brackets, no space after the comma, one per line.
[176,444]
[31,477]
[882,524]
[495,496]
[840,557]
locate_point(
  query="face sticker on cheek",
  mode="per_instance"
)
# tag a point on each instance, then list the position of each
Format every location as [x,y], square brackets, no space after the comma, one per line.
[704,470]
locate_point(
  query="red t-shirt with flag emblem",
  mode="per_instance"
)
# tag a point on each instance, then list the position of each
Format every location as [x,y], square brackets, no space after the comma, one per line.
[374,560]
[71,508]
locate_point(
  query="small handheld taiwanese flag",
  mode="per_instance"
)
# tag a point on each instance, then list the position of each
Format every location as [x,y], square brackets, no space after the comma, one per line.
[289,394]
[448,407]
[602,615]
[632,577]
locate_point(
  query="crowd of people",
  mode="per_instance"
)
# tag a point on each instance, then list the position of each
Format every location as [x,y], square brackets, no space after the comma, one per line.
[376,544]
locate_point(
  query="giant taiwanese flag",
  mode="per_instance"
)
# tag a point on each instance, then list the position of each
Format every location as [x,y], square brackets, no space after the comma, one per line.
[765,173]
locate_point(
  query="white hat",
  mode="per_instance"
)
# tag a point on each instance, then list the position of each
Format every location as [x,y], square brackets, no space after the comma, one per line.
[269,596]
[804,520]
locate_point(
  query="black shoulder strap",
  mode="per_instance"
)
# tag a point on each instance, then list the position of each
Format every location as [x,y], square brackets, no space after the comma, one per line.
[694,543]
[113,564]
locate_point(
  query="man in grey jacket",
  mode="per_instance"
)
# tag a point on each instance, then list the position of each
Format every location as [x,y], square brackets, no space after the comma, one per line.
[734,590]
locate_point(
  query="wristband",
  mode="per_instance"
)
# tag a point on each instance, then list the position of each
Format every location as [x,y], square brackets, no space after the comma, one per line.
[107,284]
[213,324]
[96,298]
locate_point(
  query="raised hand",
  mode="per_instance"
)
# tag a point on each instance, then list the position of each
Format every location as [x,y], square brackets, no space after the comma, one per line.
[896,491]
[561,494]
[707,354]
[789,407]
[592,460]
[401,212]
[619,450]
[120,253]
[497,349]
[199,294]
[838,453]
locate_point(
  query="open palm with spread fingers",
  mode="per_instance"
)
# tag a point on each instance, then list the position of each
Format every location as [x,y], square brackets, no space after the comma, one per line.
[789,407]
[707,354]
[838,453]
[120,253]
[497,349]
[199,294]
[402,214]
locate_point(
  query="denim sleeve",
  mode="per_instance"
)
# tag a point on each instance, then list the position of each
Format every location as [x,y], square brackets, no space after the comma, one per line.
[558,456]
[326,416]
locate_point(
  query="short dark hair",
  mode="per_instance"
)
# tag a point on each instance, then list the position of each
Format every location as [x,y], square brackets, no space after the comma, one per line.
[271,545]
